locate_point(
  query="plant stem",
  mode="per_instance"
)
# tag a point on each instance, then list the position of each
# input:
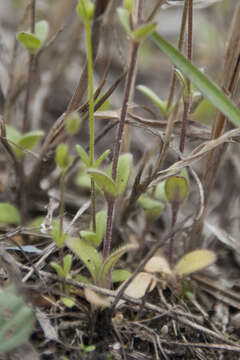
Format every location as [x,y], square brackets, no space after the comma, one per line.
[175,208]
[88,30]
[117,145]
[180,45]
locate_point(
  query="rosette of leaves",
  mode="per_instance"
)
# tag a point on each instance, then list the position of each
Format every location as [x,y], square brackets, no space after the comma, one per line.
[34,41]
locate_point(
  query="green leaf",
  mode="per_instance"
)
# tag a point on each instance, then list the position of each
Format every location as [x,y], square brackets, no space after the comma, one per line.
[12,134]
[67,264]
[9,214]
[176,189]
[85,10]
[101,223]
[82,278]
[124,19]
[58,269]
[16,320]
[89,236]
[83,180]
[194,261]
[101,158]
[28,141]
[161,104]
[153,208]
[86,348]
[110,262]
[41,30]
[58,236]
[30,41]
[143,31]
[63,159]
[73,123]
[83,155]
[120,275]
[129,5]
[123,172]
[211,91]
[159,192]
[88,255]
[68,302]
[104,181]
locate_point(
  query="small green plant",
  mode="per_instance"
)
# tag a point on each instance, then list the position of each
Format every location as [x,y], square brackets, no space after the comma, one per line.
[34,41]
[87,348]
[16,320]
[64,272]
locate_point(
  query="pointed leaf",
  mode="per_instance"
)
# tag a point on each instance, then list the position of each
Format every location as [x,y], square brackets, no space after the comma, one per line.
[88,254]
[194,261]
[101,223]
[123,172]
[9,214]
[161,104]
[112,259]
[143,31]
[67,264]
[101,158]
[68,302]
[83,155]
[58,269]
[211,91]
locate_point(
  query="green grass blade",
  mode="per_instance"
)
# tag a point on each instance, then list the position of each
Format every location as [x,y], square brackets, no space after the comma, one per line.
[211,91]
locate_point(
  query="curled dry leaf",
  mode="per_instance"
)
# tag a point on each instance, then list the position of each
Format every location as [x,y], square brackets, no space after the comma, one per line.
[96,299]
[158,264]
[194,261]
[138,287]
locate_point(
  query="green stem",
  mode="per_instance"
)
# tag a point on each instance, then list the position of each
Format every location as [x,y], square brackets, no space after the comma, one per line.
[88,30]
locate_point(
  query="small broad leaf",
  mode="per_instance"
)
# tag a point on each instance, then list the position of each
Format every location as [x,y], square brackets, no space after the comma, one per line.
[30,41]
[120,275]
[73,123]
[211,91]
[28,141]
[194,261]
[143,31]
[41,30]
[12,134]
[83,180]
[161,104]
[138,287]
[104,181]
[9,214]
[112,259]
[158,264]
[176,189]
[159,192]
[101,158]
[152,208]
[89,236]
[63,159]
[124,19]
[68,302]
[83,155]
[88,255]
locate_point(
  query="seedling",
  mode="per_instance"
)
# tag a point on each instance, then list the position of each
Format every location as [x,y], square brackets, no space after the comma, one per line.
[33,42]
